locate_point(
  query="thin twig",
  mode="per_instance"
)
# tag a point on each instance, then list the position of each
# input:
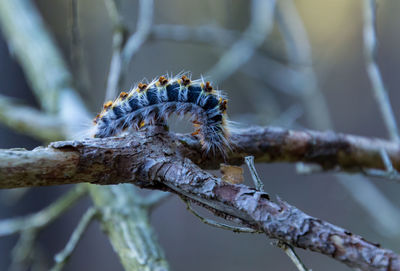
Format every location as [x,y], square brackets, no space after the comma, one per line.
[390,173]
[143,30]
[256,179]
[62,257]
[44,217]
[262,19]
[119,36]
[292,255]
[124,49]
[76,50]
[288,249]
[23,251]
[218,224]
[195,34]
[155,199]
[28,120]
[378,87]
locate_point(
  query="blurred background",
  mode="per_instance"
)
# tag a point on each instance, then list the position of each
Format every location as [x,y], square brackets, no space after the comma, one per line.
[301,75]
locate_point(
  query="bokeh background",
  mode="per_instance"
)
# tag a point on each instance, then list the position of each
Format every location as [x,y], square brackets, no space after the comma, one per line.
[257,96]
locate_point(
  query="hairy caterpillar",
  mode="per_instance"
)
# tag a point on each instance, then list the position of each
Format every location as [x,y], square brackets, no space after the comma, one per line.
[154,102]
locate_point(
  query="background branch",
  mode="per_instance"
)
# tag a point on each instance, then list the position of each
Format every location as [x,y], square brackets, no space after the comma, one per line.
[262,20]
[28,120]
[298,50]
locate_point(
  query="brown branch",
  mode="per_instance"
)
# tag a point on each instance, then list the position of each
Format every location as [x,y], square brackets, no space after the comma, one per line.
[50,166]
[327,149]
[150,160]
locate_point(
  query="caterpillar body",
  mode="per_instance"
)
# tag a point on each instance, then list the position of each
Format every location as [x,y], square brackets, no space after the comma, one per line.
[155,102]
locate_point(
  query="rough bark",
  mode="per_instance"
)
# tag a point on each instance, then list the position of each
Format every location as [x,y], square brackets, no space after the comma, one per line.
[50,166]
[272,144]
[151,160]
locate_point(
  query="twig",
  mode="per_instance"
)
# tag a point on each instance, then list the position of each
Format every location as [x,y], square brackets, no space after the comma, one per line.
[23,251]
[256,179]
[12,196]
[143,30]
[62,257]
[262,18]
[292,255]
[299,53]
[390,173]
[288,249]
[217,224]
[124,49]
[119,36]
[378,87]
[41,63]
[274,73]
[155,199]
[385,215]
[196,34]
[28,120]
[76,50]
[44,217]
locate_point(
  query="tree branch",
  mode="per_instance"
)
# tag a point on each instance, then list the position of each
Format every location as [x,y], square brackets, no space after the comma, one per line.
[260,26]
[151,161]
[28,120]
[82,161]
[127,224]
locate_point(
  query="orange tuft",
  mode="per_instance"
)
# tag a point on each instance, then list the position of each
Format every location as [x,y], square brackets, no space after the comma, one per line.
[162,80]
[223,105]
[96,119]
[208,87]
[123,95]
[107,105]
[142,87]
[185,80]
[196,132]
[196,123]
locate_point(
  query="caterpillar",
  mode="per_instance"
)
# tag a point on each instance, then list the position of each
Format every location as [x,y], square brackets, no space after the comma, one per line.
[155,102]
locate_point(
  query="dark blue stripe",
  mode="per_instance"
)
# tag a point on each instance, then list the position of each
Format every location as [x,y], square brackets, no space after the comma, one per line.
[118,111]
[134,103]
[152,96]
[173,92]
[211,103]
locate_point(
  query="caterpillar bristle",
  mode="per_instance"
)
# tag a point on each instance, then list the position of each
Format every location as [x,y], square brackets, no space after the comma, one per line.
[107,105]
[223,106]
[162,80]
[185,80]
[123,95]
[153,103]
[208,87]
[142,87]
